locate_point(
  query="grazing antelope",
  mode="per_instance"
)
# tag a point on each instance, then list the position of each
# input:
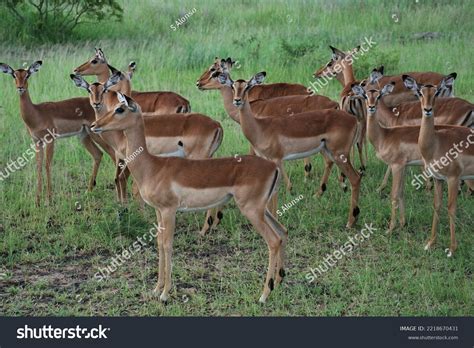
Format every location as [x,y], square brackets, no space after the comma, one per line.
[157,102]
[200,135]
[64,118]
[274,107]
[453,147]
[279,139]
[263,91]
[175,184]
[396,146]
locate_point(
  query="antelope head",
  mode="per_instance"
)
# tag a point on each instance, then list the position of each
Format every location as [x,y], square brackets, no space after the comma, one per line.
[124,115]
[240,88]
[208,78]
[96,65]
[21,76]
[427,93]
[96,90]
[336,63]
[372,96]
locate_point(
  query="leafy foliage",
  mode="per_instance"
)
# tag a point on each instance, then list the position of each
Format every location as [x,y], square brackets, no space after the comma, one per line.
[55,20]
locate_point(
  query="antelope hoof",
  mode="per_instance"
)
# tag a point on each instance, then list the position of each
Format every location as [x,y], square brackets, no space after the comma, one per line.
[448,252]
[262,299]
[429,245]
[164,297]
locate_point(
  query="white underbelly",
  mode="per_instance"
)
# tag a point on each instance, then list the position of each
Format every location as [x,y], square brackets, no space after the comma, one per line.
[192,199]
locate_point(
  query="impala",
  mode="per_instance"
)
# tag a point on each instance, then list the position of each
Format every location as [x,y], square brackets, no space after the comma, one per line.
[279,139]
[274,107]
[200,135]
[158,102]
[171,184]
[264,91]
[66,118]
[340,67]
[397,146]
[435,145]
[338,64]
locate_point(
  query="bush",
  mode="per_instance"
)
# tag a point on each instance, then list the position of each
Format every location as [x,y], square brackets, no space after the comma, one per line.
[55,20]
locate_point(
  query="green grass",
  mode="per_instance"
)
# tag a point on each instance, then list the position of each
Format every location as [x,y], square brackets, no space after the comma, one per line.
[49,255]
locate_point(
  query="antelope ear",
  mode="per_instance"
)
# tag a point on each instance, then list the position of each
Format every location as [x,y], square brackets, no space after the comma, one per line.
[7,69]
[79,81]
[411,84]
[358,90]
[131,104]
[132,66]
[387,89]
[257,79]
[447,84]
[381,69]
[336,52]
[35,67]
[121,98]
[225,79]
[375,75]
[113,80]
[448,80]
[100,54]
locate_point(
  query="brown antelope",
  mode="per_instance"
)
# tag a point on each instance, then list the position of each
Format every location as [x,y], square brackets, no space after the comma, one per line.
[260,93]
[64,118]
[337,67]
[200,135]
[279,139]
[274,107]
[174,184]
[264,91]
[449,110]
[397,146]
[157,102]
[340,66]
[453,148]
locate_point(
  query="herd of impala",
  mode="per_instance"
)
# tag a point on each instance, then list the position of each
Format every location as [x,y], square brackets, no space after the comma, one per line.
[410,119]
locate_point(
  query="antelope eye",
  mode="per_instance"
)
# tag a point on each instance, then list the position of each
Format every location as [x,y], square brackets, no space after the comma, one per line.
[330,64]
[94,61]
[212,69]
[119,111]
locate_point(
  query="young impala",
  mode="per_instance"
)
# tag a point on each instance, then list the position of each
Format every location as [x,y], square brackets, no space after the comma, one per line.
[274,107]
[175,184]
[199,135]
[453,148]
[64,118]
[279,139]
[158,102]
[396,146]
